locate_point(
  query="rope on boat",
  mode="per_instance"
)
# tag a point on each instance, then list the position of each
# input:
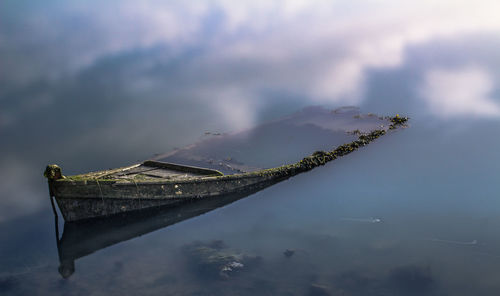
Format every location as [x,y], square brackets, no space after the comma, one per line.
[100,190]
[137,188]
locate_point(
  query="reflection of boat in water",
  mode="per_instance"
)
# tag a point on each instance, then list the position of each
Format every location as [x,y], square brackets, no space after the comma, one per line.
[81,238]
[160,183]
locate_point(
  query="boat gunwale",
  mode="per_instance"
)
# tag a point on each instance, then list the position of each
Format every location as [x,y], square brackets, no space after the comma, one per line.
[194,179]
[284,170]
[102,176]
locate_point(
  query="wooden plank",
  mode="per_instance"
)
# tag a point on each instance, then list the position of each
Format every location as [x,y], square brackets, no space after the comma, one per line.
[183,168]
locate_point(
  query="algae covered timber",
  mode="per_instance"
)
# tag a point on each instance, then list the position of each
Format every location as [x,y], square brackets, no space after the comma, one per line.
[157,184]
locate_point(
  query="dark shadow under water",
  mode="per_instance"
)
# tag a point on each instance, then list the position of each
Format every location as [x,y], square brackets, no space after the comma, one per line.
[80,239]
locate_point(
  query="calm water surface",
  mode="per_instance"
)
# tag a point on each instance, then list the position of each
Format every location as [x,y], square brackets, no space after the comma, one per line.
[414,213]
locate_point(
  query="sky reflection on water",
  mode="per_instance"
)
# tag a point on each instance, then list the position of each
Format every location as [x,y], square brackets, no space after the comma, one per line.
[86,85]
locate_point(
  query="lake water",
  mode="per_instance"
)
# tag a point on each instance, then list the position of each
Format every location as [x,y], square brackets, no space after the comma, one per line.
[416,212]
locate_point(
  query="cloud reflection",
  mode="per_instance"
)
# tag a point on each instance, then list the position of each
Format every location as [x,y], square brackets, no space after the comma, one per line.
[18,197]
[316,49]
[466,91]
[121,73]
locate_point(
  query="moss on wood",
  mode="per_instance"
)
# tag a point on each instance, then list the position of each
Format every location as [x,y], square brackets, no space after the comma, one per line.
[319,158]
[316,159]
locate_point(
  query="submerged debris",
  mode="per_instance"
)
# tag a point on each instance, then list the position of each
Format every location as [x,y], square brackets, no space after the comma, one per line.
[355,132]
[215,259]
[207,133]
[319,290]
[362,220]
[288,253]
[453,242]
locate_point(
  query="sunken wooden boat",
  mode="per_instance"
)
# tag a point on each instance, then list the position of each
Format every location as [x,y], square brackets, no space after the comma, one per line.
[154,184]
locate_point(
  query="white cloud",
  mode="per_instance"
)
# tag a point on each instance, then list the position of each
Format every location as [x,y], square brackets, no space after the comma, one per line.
[461,92]
[239,110]
[334,42]
[341,80]
[375,32]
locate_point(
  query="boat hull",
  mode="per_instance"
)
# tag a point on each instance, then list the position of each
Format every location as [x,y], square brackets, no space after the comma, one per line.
[88,199]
